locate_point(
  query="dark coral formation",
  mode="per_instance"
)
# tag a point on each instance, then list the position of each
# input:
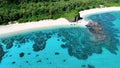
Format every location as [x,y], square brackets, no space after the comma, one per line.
[83,66]
[87,66]
[39,38]
[8,42]
[90,66]
[80,42]
[75,41]
[40,41]
[64,60]
[27,61]
[2,53]
[21,54]
[10,55]
[37,55]
[64,45]
[29,54]
[13,62]
[105,21]
[39,45]
[57,53]
[39,61]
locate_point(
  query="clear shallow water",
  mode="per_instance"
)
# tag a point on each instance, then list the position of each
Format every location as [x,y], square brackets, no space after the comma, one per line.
[72,47]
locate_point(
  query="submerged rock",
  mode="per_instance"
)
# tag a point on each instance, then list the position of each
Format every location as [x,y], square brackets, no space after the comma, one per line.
[13,62]
[90,66]
[37,47]
[64,46]
[96,29]
[57,53]
[21,54]
[40,40]
[83,66]
[64,60]
[9,44]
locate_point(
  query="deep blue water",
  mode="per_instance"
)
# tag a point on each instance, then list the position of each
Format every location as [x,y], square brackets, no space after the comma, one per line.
[71,47]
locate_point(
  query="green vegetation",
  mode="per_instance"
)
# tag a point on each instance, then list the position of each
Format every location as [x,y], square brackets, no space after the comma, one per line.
[33,10]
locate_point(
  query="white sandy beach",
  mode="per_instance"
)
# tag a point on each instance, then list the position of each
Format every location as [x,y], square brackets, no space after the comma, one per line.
[98,10]
[46,24]
[43,24]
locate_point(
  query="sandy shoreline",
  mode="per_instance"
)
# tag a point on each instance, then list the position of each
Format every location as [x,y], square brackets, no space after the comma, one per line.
[46,24]
[43,24]
[98,10]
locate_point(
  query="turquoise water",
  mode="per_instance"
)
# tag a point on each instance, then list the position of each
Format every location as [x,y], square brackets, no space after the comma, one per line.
[73,47]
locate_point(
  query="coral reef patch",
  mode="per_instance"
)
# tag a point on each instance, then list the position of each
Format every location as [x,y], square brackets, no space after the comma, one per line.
[100,33]
[21,54]
[2,53]
[105,20]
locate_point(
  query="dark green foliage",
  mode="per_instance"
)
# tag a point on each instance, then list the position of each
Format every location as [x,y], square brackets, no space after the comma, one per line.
[34,10]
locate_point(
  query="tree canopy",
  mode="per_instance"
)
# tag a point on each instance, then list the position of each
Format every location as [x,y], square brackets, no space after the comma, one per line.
[33,10]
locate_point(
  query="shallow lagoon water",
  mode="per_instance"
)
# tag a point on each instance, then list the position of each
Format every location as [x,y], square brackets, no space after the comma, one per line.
[71,47]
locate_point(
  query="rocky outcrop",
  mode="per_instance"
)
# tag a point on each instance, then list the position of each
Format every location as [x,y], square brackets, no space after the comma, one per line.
[96,29]
[77,17]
